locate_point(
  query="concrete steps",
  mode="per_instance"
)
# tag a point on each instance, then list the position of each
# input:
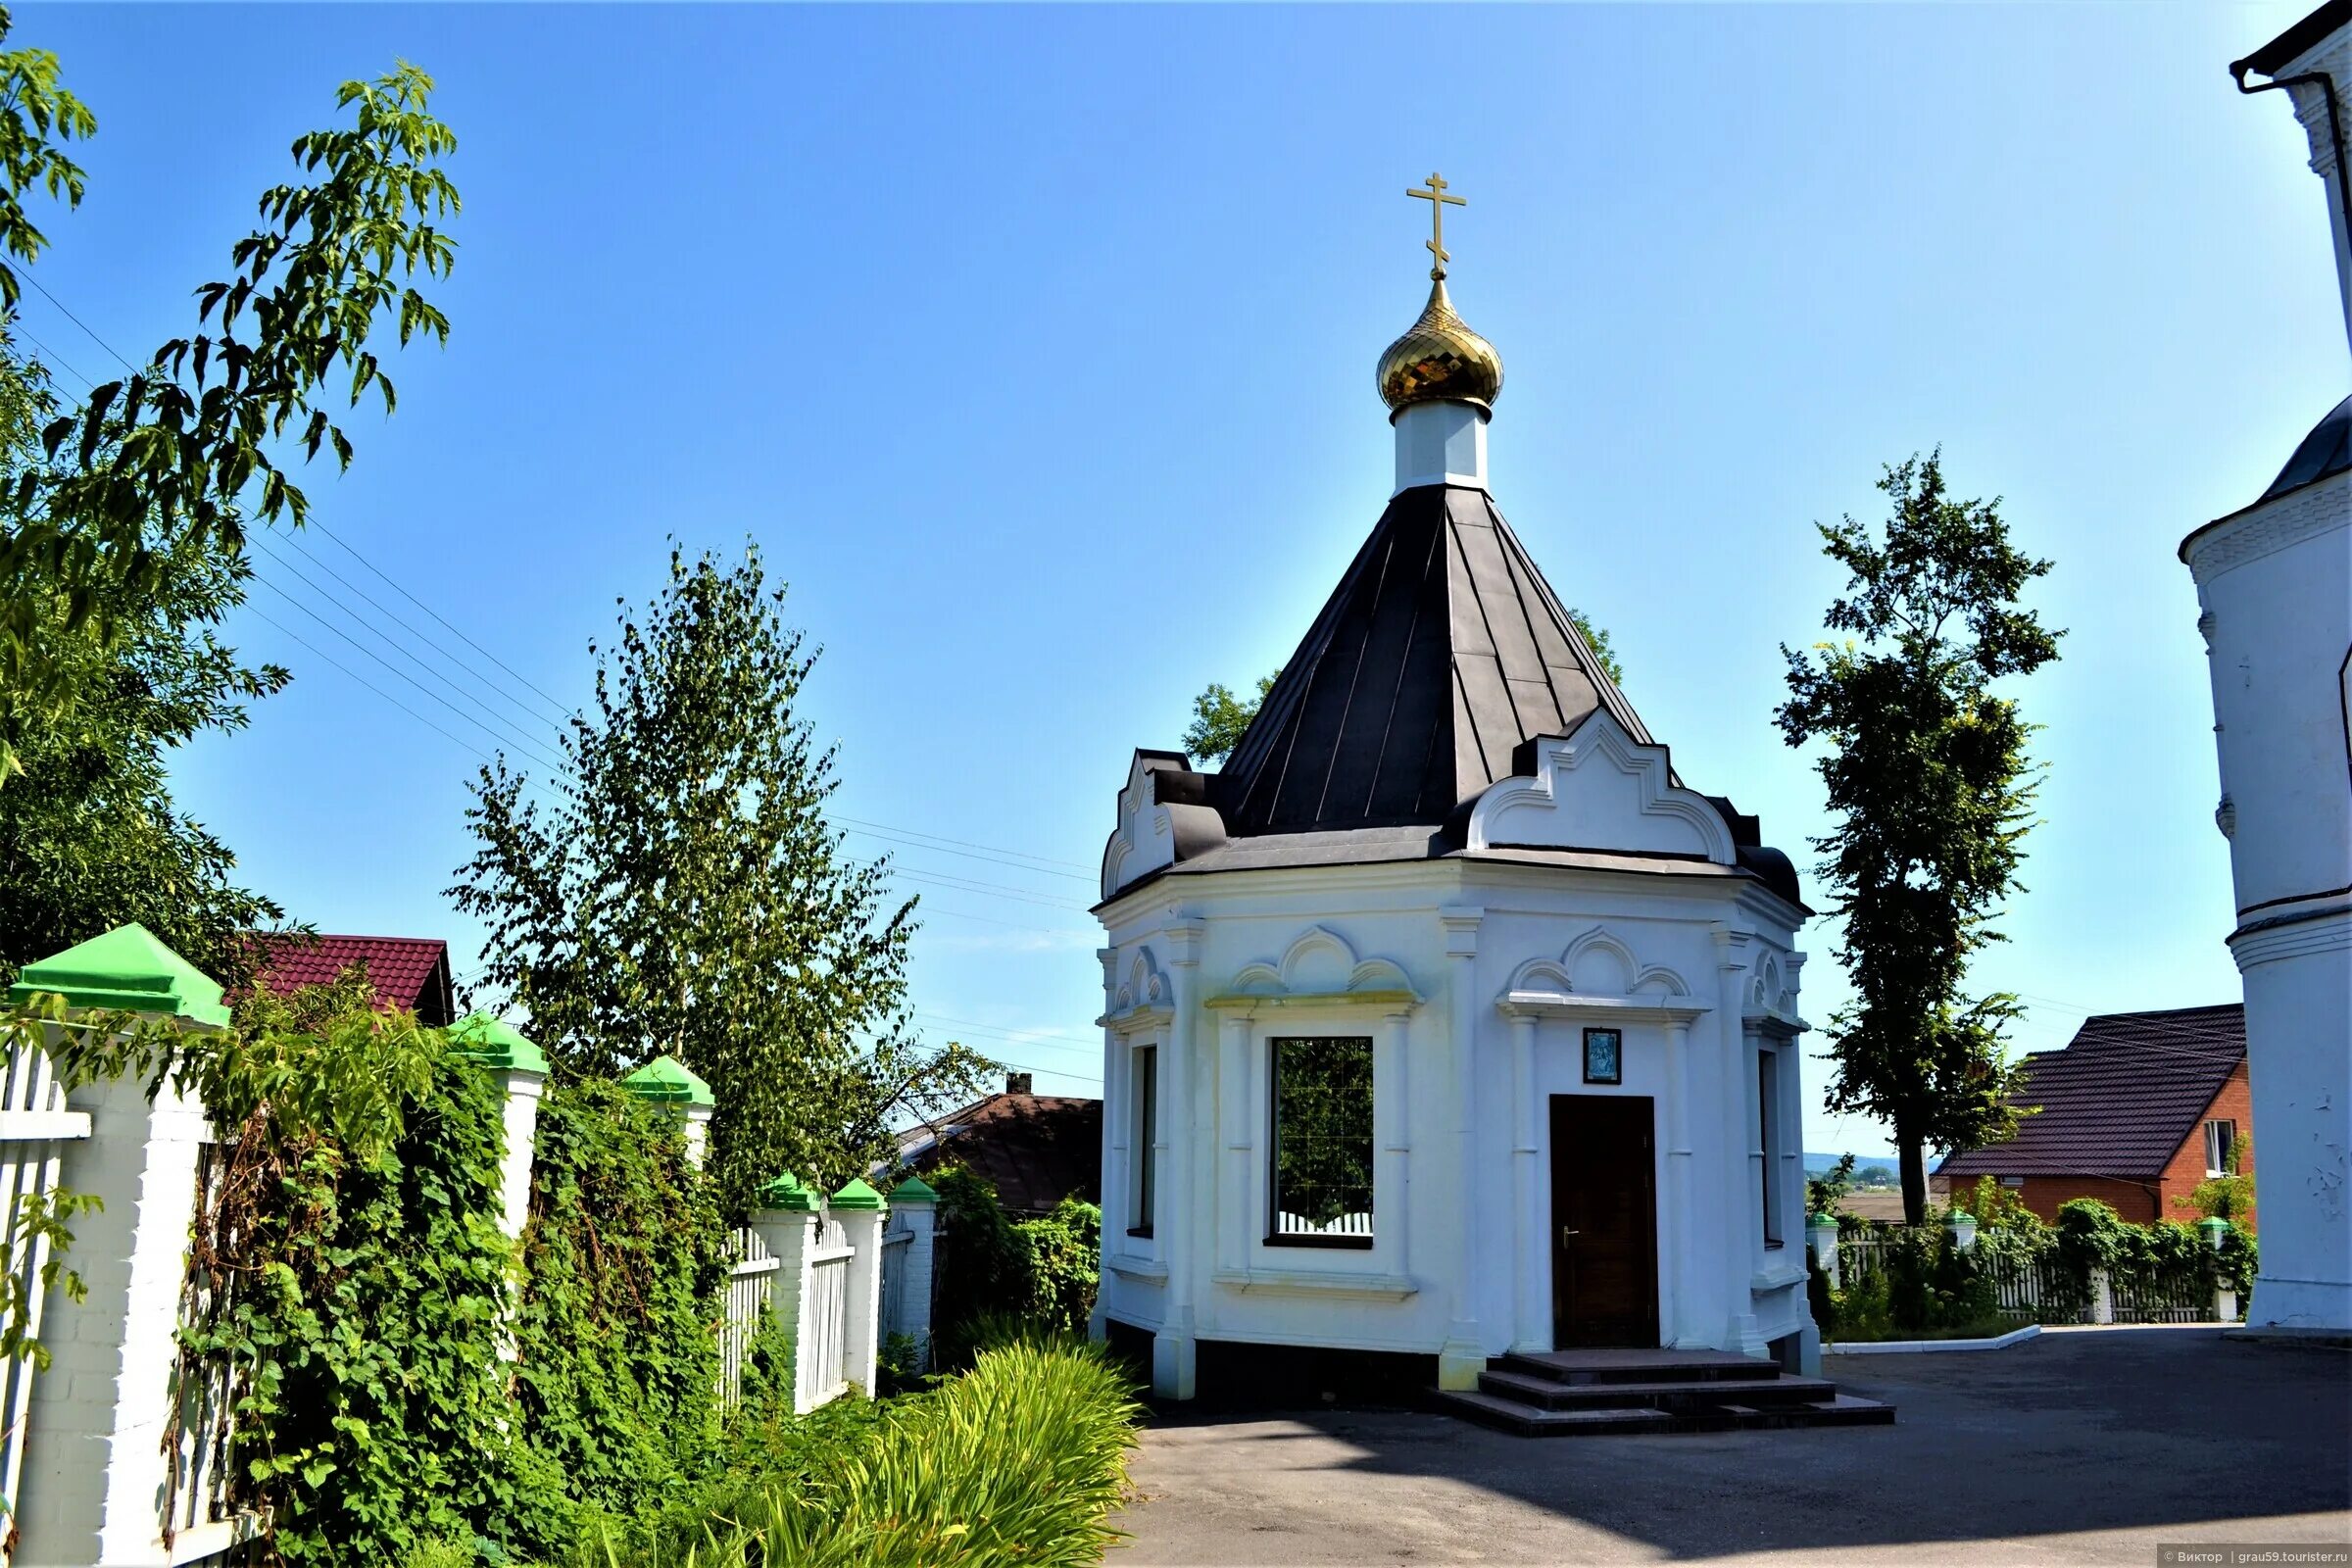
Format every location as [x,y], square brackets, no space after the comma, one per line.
[1597,1393]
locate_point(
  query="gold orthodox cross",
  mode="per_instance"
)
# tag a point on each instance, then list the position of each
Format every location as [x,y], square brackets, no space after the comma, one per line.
[1438,201]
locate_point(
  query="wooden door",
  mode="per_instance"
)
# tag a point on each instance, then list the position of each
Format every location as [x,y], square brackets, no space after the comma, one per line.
[1604,1221]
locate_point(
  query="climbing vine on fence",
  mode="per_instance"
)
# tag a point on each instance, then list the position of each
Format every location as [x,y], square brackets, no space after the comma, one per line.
[347,1278]
[625,1261]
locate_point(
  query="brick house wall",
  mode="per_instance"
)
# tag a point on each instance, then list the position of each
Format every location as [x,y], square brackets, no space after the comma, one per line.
[2235,1102]
[2161,1197]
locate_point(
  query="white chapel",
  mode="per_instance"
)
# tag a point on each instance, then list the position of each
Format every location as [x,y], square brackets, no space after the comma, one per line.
[1445,1020]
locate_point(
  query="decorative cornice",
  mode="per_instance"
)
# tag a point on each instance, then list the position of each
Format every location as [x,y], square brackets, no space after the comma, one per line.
[1461,923]
[1575,1004]
[1248,1003]
[1136,1021]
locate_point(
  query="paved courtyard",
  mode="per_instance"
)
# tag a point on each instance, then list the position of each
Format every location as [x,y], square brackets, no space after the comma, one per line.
[2085,1446]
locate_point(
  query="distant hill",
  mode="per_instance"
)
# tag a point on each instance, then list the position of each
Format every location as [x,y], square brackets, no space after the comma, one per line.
[1816,1163]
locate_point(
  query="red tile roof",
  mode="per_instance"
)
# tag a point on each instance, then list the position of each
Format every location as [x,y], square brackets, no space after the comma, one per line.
[1036,1148]
[412,972]
[2121,1096]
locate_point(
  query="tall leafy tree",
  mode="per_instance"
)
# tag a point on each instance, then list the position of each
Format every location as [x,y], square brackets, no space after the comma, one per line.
[681,892]
[161,467]
[90,837]
[1928,776]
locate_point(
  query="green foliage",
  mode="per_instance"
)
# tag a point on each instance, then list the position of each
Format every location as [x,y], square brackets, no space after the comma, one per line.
[2091,1234]
[1926,770]
[1020,1460]
[1220,719]
[347,1278]
[1824,1192]
[1000,1277]
[2239,1261]
[688,896]
[2228,1196]
[1597,639]
[90,838]
[625,1264]
[984,1262]
[153,473]
[1065,1250]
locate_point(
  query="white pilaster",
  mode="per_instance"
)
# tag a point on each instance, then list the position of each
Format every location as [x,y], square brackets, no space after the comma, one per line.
[1533,1330]
[1682,1267]
[1173,1358]
[1391,1114]
[1462,1357]
[1233,1116]
[790,1235]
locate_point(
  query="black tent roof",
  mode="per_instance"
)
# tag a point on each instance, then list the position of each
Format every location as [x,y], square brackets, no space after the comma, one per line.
[1442,652]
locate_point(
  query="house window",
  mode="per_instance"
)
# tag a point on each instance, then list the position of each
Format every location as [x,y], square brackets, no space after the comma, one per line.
[2219,1137]
[1768,1093]
[1146,1137]
[1322,1176]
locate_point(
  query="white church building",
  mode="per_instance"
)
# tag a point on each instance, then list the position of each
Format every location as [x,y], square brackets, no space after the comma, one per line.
[2275,591]
[1445,1019]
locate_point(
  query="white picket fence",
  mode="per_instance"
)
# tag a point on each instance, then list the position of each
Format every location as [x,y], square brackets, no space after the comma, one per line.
[896,1247]
[2035,1292]
[750,1293]
[821,1365]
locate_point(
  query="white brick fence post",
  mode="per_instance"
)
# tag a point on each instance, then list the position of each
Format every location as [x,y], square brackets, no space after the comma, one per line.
[2102,1295]
[787,1222]
[861,1211]
[915,1208]
[96,1470]
[2224,1299]
[1822,1233]
[670,1083]
[519,1069]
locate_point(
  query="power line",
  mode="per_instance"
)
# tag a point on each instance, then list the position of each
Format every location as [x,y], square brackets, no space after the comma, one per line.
[494,734]
[966,843]
[435,613]
[52,356]
[1055,1034]
[365,681]
[531,714]
[26,274]
[404,653]
[992,889]
[969,855]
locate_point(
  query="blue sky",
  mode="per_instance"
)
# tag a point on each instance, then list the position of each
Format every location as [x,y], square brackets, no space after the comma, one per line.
[1035,348]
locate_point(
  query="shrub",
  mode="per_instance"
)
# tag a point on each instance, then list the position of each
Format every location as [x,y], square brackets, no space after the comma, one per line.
[1065,1250]
[1020,1459]
[617,1366]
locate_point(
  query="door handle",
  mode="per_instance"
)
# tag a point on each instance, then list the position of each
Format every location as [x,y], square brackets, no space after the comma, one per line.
[1565,1232]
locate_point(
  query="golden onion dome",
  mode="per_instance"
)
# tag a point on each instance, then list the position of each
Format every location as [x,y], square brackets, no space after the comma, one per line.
[1440,360]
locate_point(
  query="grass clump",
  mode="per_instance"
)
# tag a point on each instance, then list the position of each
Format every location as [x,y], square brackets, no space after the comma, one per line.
[1020,1459]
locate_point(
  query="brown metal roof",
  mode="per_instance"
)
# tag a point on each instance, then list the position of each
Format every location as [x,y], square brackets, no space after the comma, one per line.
[1439,653]
[2120,1099]
[1036,1149]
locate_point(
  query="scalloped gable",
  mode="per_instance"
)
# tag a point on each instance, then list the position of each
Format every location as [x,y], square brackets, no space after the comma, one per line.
[1161,819]
[1319,962]
[1600,788]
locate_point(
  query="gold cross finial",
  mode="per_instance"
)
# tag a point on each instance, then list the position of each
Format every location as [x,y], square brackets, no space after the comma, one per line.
[1435,194]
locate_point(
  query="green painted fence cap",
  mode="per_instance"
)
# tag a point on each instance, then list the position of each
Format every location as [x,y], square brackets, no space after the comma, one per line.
[129,969]
[671,1081]
[784,1190]
[497,1044]
[913,1190]
[856,1194]
[2212,1225]
[1818,1221]
[1960,1216]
